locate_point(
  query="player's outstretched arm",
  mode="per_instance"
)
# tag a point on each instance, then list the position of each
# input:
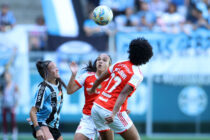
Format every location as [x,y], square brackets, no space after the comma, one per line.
[72,86]
[103,76]
[120,100]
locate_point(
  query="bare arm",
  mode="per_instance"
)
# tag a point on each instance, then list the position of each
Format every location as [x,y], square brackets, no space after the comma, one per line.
[103,76]
[120,100]
[17,95]
[89,31]
[72,86]
[39,133]
[11,59]
[33,116]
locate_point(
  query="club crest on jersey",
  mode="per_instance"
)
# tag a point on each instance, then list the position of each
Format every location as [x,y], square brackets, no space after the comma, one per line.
[53,94]
[60,93]
[99,87]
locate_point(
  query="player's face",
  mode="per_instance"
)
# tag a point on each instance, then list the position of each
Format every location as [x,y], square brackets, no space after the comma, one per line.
[53,70]
[103,62]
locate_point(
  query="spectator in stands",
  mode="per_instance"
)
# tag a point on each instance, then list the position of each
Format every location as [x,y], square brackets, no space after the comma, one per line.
[118,6]
[9,103]
[202,5]
[125,20]
[40,21]
[7,19]
[38,35]
[191,19]
[201,22]
[91,4]
[145,19]
[171,21]
[192,13]
[158,6]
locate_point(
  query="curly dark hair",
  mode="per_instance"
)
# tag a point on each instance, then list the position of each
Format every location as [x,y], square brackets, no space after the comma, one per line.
[140,51]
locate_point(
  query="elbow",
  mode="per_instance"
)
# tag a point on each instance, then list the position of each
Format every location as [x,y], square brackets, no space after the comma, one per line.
[33,111]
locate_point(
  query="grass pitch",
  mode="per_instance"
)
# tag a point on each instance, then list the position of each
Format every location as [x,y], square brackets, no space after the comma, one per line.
[117,137]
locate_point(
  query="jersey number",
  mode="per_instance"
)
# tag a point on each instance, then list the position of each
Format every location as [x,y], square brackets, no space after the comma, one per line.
[117,81]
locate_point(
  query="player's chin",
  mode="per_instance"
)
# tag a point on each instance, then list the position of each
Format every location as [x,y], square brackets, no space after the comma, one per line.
[57,76]
[100,69]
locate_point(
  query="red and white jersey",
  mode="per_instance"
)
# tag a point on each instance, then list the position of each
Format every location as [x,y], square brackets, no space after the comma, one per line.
[122,73]
[87,79]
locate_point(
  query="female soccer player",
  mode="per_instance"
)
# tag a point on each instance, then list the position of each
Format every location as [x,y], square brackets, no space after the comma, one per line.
[109,109]
[86,129]
[45,113]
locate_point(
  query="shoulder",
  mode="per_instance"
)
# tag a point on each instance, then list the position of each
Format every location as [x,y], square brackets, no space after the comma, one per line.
[88,74]
[44,88]
[120,62]
[137,71]
[84,76]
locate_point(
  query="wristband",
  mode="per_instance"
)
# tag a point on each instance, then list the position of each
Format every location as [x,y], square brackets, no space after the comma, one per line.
[37,128]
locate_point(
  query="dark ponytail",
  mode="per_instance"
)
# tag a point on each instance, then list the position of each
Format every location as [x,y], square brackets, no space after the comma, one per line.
[42,68]
[91,67]
[61,83]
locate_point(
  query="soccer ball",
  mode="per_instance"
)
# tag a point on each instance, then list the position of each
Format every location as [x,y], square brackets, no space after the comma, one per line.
[102,15]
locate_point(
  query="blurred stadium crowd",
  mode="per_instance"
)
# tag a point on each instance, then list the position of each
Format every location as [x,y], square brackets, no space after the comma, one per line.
[170,16]
[159,16]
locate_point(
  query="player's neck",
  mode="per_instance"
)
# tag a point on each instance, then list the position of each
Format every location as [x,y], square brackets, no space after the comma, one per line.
[98,73]
[52,81]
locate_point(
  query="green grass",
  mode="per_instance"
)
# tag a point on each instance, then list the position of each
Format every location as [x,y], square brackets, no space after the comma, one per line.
[70,137]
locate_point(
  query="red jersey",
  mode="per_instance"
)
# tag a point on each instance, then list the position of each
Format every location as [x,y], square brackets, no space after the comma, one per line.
[122,73]
[87,79]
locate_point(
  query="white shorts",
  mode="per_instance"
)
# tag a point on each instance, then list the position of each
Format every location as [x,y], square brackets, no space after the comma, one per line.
[122,121]
[87,127]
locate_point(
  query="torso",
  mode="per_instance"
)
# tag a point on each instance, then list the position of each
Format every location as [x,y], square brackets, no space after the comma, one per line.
[46,107]
[122,73]
[9,96]
[87,81]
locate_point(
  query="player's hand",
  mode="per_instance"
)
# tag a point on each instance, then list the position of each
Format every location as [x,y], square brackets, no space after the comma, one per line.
[91,91]
[128,111]
[40,135]
[73,68]
[109,119]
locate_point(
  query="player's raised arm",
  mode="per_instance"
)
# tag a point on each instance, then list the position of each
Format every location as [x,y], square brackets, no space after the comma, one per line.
[120,100]
[72,86]
[104,76]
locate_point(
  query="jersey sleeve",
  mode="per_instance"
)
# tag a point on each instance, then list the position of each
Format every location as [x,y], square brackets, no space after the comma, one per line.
[81,79]
[135,81]
[40,97]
